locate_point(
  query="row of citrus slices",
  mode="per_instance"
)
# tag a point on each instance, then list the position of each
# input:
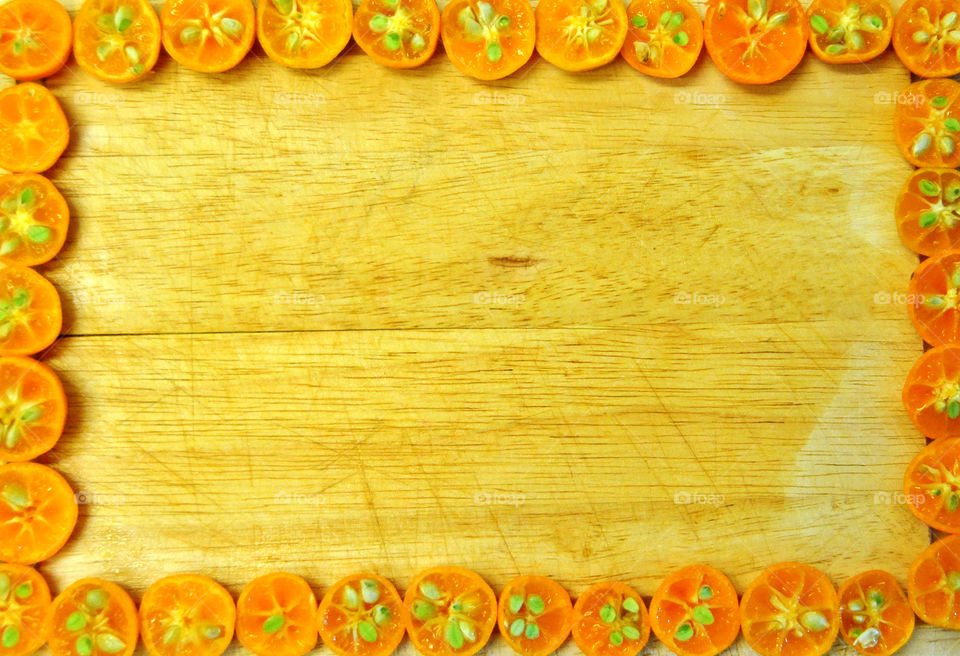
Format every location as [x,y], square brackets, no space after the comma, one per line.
[751,41]
[791,609]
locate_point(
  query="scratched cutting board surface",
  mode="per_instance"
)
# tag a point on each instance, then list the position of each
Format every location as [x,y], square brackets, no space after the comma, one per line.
[585,326]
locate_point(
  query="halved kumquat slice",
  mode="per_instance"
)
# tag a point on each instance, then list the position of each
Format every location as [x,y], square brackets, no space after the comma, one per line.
[38,512]
[695,612]
[926,37]
[304,33]
[932,485]
[875,617]
[755,41]
[928,211]
[450,611]
[116,40]
[33,408]
[24,602]
[361,615]
[92,617]
[30,313]
[187,615]
[35,37]
[33,219]
[934,298]
[33,128]
[849,31]
[926,123]
[397,33]
[790,610]
[610,619]
[933,585]
[210,36]
[535,615]
[580,35]
[664,37]
[931,394]
[277,616]
[488,39]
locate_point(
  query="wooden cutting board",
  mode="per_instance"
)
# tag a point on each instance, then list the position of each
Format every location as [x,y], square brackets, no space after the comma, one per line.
[585,326]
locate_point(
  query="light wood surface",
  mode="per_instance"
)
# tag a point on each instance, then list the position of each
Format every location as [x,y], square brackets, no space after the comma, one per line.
[585,326]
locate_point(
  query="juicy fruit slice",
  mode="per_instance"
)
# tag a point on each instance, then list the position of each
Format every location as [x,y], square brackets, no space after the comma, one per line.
[932,485]
[535,615]
[926,37]
[33,128]
[38,512]
[610,619]
[117,40]
[933,299]
[580,35]
[664,37]
[931,394]
[187,615]
[488,39]
[933,585]
[304,33]
[695,612]
[24,602]
[361,615]
[210,36]
[277,616]
[926,123]
[92,617]
[450,611]
[30,314]
[928,211]
[755,41]
[875,617]
[34,38]
[33,409]
[397,33]
[790,610]
[33,219]
[849,31]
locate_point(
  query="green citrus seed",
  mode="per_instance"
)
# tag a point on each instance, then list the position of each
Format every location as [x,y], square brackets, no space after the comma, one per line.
[630,605]
[84,646]
[11,636]
[702,615]
[76,621]
[819,24]
[616,638]
[367,631]
[684,632]
[273,623]
[424,610]
[535,604]
[631,632]
[516,603]
[608,614]
[638,21]
[929,188]
[532,632]
[516,627]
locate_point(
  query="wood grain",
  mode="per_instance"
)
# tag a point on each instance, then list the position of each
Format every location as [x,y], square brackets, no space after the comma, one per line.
[586,326]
